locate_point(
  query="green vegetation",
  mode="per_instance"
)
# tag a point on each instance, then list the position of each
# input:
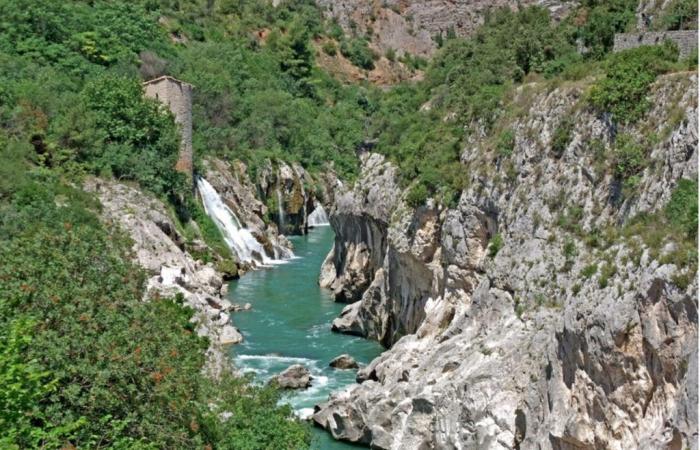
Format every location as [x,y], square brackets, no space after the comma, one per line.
[589,270]
[469,81]
[682,210]
[358,52]
[85,362]
[495,245]
[679,15]
[628,75]
[505,143]
[629,157]
[562,136]
[598,20]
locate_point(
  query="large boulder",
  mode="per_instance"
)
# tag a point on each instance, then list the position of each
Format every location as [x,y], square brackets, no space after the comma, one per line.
[294,377]
[230,335]
[344,361]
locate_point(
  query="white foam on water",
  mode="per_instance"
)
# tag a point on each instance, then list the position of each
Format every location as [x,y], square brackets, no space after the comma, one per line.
[318,217]
[238,238]
[304,413]
[276,359]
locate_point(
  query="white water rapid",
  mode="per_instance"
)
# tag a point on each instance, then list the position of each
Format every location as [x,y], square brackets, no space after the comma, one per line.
[238,238]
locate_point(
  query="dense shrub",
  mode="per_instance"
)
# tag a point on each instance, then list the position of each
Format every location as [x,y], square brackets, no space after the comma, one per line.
[629,157]
[682,209]
[598,21]
[628,75]
[139,140]
[417,195]
[358,52]
[562,136]
[86,363]
[679,15]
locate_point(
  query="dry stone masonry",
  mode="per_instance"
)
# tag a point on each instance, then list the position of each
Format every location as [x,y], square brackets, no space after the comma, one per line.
[687,41]
[177,96]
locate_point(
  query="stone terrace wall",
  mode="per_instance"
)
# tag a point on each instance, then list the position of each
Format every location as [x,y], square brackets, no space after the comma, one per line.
[687,41]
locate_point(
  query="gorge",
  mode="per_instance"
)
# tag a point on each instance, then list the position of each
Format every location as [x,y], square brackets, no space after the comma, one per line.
[396,224]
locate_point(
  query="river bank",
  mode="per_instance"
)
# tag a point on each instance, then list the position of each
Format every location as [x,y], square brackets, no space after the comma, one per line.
[289,323]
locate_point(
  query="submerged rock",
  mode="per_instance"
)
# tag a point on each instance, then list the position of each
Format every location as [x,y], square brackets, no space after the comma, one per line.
[293,377]
[344,361]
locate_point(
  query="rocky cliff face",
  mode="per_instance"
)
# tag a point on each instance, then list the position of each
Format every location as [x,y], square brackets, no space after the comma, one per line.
[232,182]
[161,250]
[509,324]
[410,26]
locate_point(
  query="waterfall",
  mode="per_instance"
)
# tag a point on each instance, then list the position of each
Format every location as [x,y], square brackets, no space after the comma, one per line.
[318,217]
[238,238]
[280,208]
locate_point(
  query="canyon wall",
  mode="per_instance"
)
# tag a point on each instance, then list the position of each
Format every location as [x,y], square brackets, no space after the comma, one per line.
[412,26]
[514,319]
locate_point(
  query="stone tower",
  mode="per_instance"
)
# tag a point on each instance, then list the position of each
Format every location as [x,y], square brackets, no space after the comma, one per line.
[177,95]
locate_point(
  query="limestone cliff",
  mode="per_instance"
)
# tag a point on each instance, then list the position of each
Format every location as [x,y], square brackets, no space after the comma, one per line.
[232,182]
[509,324]
[161,249]
[411,26]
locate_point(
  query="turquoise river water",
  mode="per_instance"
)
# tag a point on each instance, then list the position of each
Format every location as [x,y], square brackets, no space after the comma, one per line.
[290,323]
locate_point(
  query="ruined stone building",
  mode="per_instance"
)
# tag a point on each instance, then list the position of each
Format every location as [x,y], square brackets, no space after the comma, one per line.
[177,95]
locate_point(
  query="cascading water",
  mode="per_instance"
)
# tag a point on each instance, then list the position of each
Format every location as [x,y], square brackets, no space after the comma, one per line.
[280,209]
[238,238]
[318,217]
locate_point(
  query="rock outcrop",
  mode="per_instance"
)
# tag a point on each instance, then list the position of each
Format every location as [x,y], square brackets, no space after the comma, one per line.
[240,194]
[360,219]
[510,324]
[161,250]
[411,26]
[344,361]
[293,377]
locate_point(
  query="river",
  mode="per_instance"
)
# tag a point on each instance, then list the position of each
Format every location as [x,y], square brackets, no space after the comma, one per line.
[290,323]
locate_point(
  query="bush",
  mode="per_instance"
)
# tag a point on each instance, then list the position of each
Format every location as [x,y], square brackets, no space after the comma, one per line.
[589,270]
[562,136]
[623,91]
[679,15]
[329,48]
[505,143]
[417,195]
[601,20]
[358,52]
[682,209]
[139,138]
[86,363]
[629,157]
[495,245]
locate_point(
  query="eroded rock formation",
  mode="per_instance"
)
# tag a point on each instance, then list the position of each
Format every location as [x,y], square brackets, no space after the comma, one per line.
[521,345]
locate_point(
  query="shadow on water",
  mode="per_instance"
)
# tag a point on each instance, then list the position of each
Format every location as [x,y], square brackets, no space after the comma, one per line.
[290,324]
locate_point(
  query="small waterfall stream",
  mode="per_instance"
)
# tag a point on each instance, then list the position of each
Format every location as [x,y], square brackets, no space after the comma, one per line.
[280,208]
[318,217]
[238,238]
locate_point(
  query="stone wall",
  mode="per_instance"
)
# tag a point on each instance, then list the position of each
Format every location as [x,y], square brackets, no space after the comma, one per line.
[177,95]
[687,41]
